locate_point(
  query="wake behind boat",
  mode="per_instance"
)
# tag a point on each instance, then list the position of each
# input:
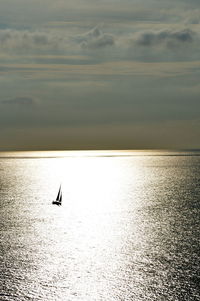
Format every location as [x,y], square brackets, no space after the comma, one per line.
[58,200]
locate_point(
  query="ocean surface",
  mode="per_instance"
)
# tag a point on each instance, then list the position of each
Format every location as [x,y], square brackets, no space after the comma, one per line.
[128,228]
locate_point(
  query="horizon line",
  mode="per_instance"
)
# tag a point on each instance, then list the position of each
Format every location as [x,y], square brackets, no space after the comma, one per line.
[36,154]
[99,149]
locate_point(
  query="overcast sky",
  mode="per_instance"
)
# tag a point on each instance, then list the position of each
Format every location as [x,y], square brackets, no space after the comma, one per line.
[109,74]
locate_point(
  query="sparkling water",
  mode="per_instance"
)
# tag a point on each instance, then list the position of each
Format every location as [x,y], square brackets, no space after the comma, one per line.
[128,228]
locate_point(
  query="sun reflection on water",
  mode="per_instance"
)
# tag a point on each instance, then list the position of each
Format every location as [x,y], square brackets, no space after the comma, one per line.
[111,237]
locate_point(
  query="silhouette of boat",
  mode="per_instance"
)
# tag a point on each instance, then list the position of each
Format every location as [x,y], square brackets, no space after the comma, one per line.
[58,200]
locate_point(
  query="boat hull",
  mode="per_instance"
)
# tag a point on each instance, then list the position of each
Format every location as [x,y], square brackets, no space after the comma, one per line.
[56,203]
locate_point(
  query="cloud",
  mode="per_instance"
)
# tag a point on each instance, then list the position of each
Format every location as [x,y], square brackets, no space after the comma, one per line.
[52,42]
[11,39]
[141,45]
[20,101]
[21,41]
[95,39]
[192,16]
[165,37]
[166,44]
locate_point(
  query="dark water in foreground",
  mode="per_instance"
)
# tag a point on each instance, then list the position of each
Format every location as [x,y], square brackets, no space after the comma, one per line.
[128,228]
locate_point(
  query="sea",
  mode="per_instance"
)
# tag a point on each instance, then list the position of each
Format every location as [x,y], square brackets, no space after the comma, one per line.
[128,228]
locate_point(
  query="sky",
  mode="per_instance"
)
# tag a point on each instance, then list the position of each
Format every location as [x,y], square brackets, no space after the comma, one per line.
[106,74]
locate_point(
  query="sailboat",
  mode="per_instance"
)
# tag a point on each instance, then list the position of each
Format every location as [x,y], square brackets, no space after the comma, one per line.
[58,200]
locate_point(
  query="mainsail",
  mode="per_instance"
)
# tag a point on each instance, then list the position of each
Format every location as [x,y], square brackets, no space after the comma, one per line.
[59,194]
[60,199]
